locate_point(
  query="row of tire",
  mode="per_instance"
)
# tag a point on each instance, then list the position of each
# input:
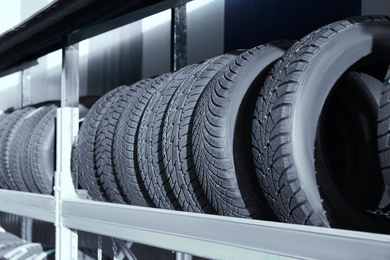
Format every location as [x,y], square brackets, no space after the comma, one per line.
[27,158]
[284,131]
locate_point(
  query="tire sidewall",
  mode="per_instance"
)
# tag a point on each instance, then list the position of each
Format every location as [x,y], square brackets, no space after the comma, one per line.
[326,67]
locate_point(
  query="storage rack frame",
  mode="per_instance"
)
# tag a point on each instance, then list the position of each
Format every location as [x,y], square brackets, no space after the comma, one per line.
[208,236]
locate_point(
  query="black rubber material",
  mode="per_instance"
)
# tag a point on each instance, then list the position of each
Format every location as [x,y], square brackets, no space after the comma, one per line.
[177,136]
[149,143]
[125,154]
[221,134]
[15,120]
[384,136]
[288,112]
[13,247]
[41,151]
[22,251]
[346,151]
[4,119]
[88,177]
[104,145]
[24,133]
[15,155]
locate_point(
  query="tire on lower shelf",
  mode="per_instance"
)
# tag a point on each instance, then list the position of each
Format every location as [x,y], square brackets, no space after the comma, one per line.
[13,247]
[292,162]
[222,137]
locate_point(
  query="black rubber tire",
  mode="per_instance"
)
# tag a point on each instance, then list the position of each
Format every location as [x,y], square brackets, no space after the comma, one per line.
[104,145]
[149,143]
[22,251]
[288,113]
[221,134]
[384,137]
[22,158]
[346,152]
[15,120]
[177,136]
[41,151]
[13,247]
[88,177]
[4,119]
[15,155]
[125,154]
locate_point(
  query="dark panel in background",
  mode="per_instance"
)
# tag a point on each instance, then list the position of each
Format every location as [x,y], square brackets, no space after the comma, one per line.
[114,59]
[249,23]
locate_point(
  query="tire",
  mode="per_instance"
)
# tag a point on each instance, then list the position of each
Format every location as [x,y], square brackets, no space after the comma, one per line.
[296,178]
[384,137]
[221,134]
[14,120]
[177,137]
[88,177]
[13,247]
[104,145]
[125,154]
[149,143]
[21,156]
[41,151]
[25,251]
[4,119]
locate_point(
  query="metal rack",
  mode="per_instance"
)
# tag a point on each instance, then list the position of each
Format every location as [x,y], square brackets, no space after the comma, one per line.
[202,235]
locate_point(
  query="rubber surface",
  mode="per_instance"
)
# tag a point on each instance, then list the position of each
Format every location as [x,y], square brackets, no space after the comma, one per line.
[220,136]
[177,136]
[287,114]
[41,151]
[15,120]
[25,133]
[104,145]
[149,143]
[125,155]
[88,176]
[384,136]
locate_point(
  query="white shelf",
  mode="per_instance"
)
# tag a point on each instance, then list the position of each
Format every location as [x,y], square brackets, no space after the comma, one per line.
[26,204]
[209,236]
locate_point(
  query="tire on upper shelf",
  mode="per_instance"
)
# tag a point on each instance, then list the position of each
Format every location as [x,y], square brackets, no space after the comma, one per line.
[104,144]
[15,120]
[149,144]
[125,154]
[177,136]
[21,166]
[221,134]
[88,177]
[292,161]
[41,154]
[384,137]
